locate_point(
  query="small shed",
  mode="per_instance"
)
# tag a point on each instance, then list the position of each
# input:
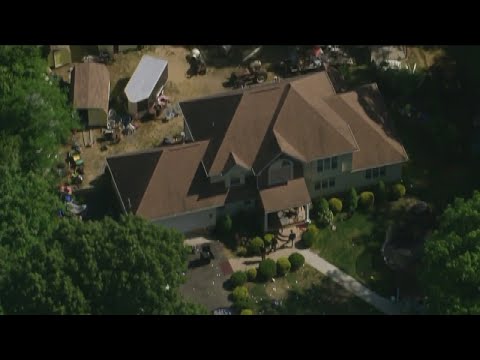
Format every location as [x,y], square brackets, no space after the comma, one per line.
[91,92]
[146,84]
[59,55]
[115,49]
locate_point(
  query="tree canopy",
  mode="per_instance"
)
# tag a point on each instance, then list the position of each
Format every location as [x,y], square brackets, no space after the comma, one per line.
[33,108]
[100,267]
[451,273]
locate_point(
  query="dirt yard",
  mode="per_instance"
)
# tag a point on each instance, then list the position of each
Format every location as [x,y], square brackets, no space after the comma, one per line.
[150,133]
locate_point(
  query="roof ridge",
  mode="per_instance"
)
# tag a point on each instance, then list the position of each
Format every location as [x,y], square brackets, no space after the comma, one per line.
[326,119]
[373,125]
[297,154]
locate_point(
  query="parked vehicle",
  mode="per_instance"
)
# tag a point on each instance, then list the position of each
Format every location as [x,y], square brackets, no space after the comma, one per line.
[302,60]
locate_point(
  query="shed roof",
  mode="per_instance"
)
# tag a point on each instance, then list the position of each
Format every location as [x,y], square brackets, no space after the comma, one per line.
[145,77]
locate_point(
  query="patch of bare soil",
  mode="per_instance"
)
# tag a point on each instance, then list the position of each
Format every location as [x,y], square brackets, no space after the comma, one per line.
[150,133]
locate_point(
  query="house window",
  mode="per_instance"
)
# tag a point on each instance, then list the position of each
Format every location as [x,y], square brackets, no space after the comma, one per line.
[383,171]
[324,184]
[334,162]
[319,165]
[375,173]
[235,181]
[331,182]
[326,164]
[368,174]
[318,185]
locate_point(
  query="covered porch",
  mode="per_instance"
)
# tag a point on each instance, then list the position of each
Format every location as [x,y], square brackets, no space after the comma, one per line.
[285,205]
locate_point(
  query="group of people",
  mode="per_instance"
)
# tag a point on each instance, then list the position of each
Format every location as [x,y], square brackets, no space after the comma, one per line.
[273,247]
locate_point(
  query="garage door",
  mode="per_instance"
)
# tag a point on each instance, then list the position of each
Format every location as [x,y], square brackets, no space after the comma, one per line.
[190,222]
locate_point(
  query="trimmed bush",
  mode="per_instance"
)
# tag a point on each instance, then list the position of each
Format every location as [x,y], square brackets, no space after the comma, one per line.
[309,236]
[267,240]
[242,251]
[224,226]
[283,266]
[246,312]
[352,200]
[296,261]
[381,192]
[267,270]
[398,191]
[239,294]
[238,278]
[367,199]
[255,246]
[313,228]
[323,205]
[251,274]
[335,205]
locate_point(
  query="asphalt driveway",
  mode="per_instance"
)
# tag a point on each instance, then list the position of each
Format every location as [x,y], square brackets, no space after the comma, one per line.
[204,284]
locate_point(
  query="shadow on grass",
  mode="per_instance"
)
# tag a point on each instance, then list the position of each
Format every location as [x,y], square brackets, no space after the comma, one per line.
[324,298]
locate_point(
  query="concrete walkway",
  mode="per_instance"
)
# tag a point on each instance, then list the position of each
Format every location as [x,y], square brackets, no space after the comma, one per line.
[327,269]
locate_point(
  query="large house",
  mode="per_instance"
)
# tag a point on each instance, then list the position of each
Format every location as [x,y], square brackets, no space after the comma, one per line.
[273,147]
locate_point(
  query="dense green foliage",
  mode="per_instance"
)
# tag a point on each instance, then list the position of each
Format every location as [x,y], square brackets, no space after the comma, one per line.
[267,270]
[296,260]
[254,247]
[283,266]
[224,226]
[238,278]
[246,312]
[451,269]
[267,240]
[398,191]
[308,237]
[366,200]
[335,205]
[381,192]
[251,274]
[352,200]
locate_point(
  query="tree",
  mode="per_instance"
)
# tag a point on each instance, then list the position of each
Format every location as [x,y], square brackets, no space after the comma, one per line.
[451,271]
[103,267]
[381,192]
[352,200]
[33,107]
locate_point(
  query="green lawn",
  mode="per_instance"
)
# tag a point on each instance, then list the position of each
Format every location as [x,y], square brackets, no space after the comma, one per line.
[355,247]
[306,292]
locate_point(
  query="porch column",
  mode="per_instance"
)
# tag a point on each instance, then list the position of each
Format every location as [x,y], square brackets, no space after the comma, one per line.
[265,223]
[308,213]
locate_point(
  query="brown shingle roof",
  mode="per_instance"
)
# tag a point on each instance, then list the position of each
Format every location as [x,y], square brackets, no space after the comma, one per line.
[309,127]
[248,128]
[364,112]
[167,181]
[292,194]
[91,86]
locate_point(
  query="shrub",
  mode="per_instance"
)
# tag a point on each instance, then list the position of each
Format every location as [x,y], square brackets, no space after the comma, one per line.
[325,218]
[366,200]
[239,294]
[224,226]
[323,205]
[352,200]
[251,274]
[381,192]
[296,260]
[267,240]
[238,278]
[246,312]
[283,266]
[335,205]
[255,246]
[241,251]
[398,191]
[309,236]
[267,270]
